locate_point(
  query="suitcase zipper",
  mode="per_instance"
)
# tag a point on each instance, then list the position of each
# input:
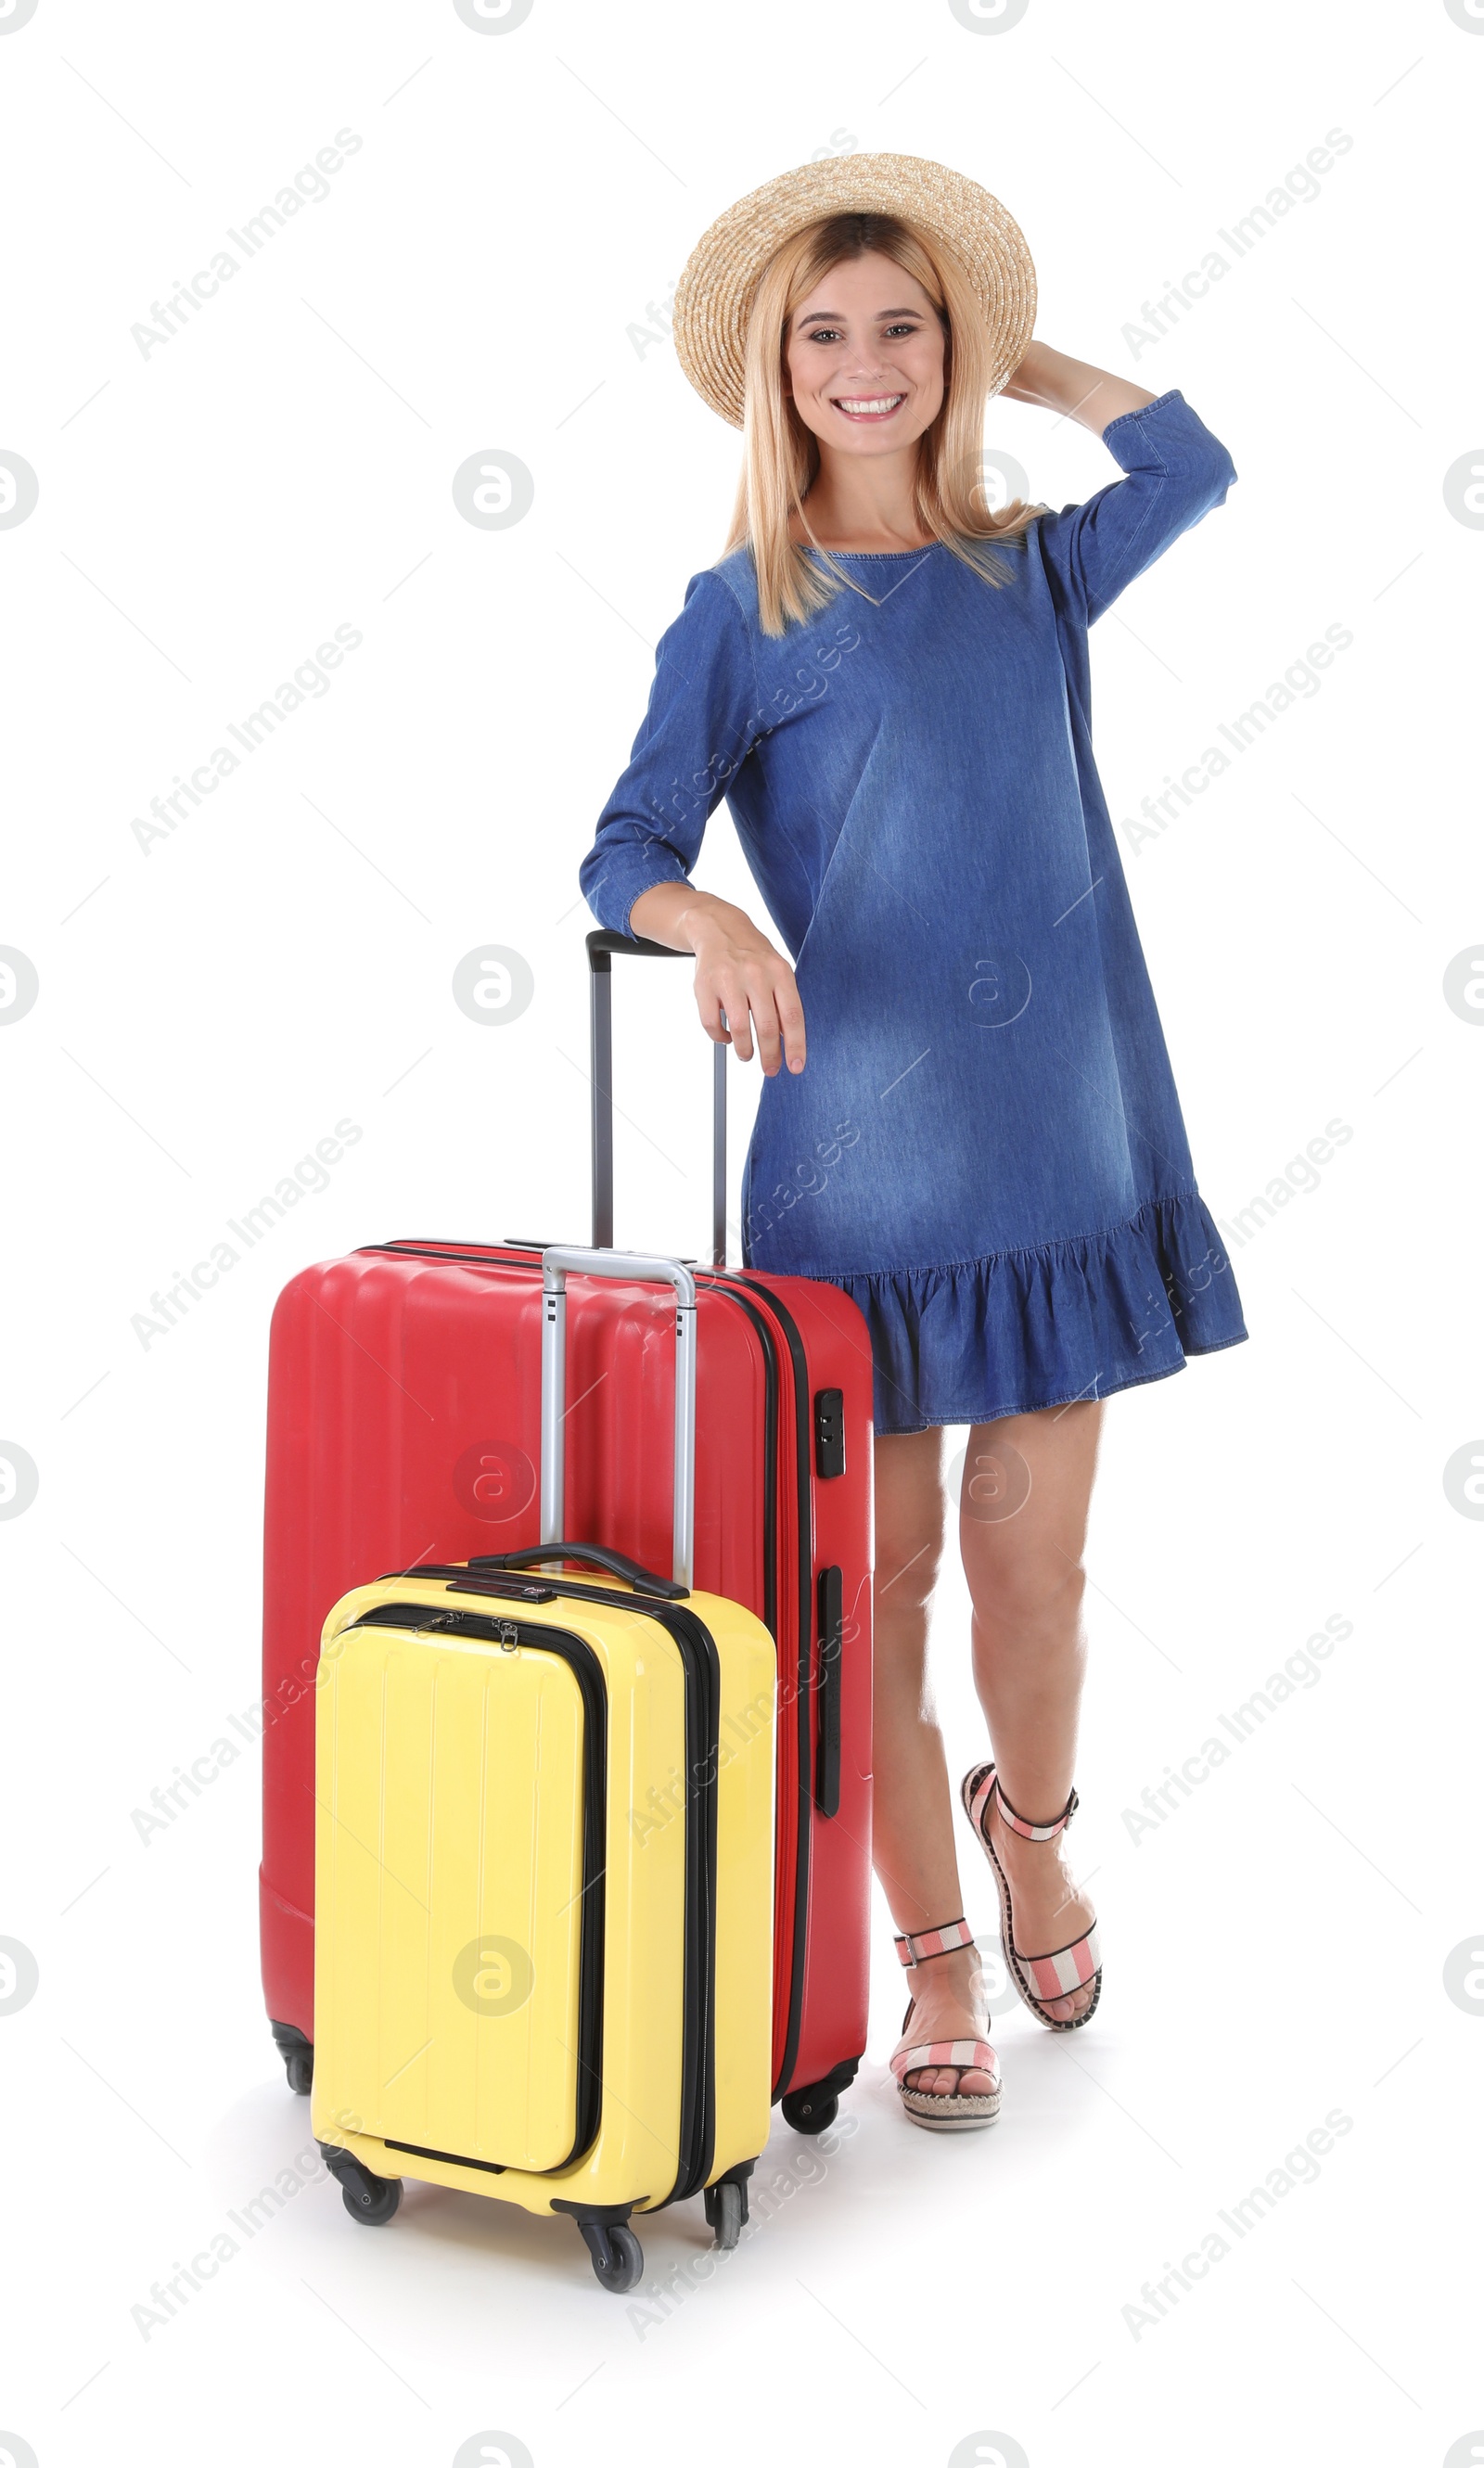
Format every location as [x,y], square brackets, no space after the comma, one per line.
[804,1466]
[587,1671]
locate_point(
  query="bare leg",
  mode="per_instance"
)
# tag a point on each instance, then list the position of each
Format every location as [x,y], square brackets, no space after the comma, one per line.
[913,1821]
[1025,1577]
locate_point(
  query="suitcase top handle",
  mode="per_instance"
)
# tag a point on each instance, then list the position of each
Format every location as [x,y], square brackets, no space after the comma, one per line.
[630,1267]
[591,1555]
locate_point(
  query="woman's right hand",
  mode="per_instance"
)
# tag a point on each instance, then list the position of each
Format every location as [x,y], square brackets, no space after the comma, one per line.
[744,988]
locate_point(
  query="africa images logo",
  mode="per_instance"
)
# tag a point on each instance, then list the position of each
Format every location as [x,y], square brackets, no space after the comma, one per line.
[310,186]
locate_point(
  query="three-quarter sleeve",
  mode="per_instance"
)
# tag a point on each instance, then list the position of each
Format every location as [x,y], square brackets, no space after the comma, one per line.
[1176,472]
[702,721]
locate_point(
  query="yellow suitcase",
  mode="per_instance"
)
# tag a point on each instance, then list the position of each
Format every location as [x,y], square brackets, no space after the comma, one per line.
[544,1868]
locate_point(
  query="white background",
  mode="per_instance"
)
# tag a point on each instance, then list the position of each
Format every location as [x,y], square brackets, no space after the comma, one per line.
[520,204]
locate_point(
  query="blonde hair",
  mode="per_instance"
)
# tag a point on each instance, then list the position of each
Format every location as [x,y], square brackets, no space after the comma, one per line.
[781,455]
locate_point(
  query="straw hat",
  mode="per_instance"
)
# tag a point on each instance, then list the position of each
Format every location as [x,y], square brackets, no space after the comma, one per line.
[715,293]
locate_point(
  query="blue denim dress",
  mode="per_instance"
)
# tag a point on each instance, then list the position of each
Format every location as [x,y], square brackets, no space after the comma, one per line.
[985,1148]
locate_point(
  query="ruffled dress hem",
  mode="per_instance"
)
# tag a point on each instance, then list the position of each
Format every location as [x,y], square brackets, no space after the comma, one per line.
[1019,1331]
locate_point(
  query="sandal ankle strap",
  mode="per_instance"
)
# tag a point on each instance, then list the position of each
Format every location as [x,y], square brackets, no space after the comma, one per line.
[988,1785]
[921,1947]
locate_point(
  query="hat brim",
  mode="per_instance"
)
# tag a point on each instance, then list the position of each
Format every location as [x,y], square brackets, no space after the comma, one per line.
[714,296]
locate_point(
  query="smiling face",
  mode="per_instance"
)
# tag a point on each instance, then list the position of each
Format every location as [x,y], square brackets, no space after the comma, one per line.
[865,358]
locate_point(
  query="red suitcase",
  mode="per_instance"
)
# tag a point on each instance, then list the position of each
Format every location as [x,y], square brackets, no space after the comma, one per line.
[403,1428]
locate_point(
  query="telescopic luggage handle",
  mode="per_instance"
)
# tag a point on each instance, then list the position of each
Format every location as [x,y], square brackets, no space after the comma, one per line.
[632,1267]
[600,946]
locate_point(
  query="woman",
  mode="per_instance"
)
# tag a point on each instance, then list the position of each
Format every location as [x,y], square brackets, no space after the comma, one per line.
[890,684]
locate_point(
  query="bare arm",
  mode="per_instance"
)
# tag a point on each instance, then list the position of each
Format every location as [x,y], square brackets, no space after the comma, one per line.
[738,971]
[1075,388]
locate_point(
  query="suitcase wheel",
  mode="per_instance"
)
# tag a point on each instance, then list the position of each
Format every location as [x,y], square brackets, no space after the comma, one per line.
[813,2109]
[726,2209]
[617,2255]
[371,2199]
[297,2053]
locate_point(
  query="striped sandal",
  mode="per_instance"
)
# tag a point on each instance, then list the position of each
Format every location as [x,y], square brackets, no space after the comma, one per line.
[942,2112]
[1039,1978]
